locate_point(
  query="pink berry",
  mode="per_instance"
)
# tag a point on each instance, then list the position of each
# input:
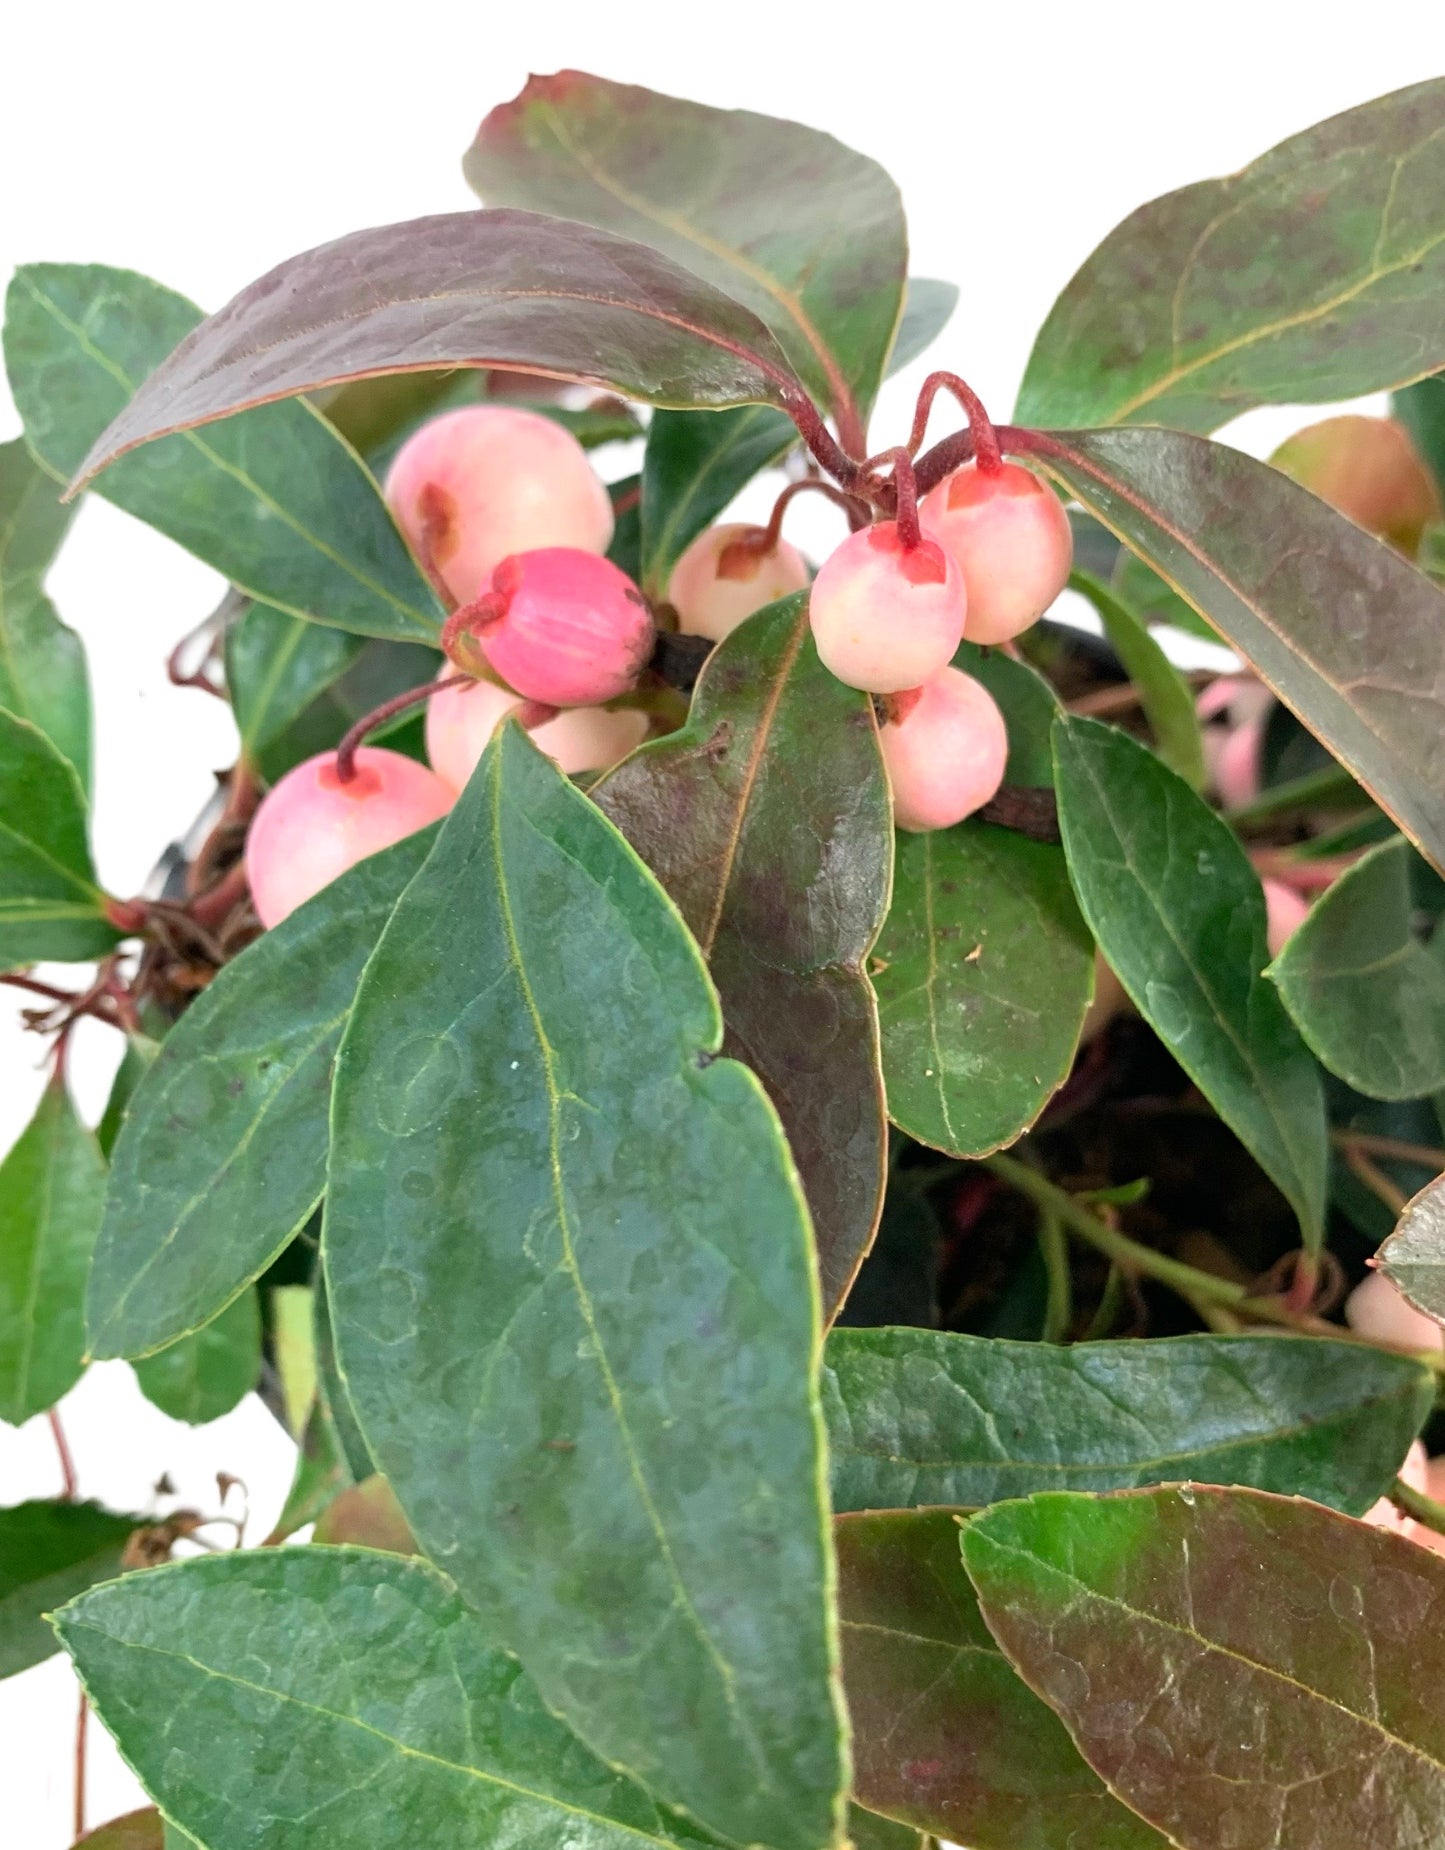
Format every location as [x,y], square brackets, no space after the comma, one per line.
[945,751]
[886,617]
[728,573]
[1285,912]
[476,485]
[1376,1309]
[1009,535]
[565,627]
[460,720]
[312,826]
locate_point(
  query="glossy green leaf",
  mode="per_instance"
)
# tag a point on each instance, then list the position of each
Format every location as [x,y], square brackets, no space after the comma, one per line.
[1414,1254]
[332,1395]
[1421,409]
[1164,694]
[1028,704]
[1179,914]
[1311,276]
[767,819]
[222,1156]
[42,663]
[928,306]
[1363,990]
[695,463]
[1339,625]
[805,232]
[52,1187]
[50,906]
[210,1371]
[576,1311]
[1241,1669]
[320,1476]
[337,1697]
[929,1418]
[510,289]
[137,1830]
[983,972]
[277,504]
[945,1735]
[49,1552]
[1146,592]
[135,1063]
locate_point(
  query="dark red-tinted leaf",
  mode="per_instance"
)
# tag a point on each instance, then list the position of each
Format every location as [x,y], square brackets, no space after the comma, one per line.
[767,819]
[945,1735]
[503,288]
[1340,626]
[1242,1669]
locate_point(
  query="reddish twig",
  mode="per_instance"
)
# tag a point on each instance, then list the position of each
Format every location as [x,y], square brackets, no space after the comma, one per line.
[388,710]
[82,1717]
[810,484]
[981,430]
[69,1480]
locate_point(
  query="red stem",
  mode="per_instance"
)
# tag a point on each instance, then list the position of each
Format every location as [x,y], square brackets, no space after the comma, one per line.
[773,532]
[399,703]
[82,1716]
[905,487]
[210,907]
[981,428]
[67,1462]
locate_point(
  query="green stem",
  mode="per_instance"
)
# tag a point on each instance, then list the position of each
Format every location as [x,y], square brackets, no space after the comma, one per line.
[1415,1503]
[1331,781]
[1059,1307]
[1107,1314]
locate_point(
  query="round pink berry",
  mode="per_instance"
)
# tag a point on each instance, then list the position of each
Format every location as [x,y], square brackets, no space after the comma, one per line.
[1376,1309]
[1285,912]
[1009,536]
[474,486]
[460,720]
[886,617]
[945,749]
[565,627]
[727,574]
[312,826]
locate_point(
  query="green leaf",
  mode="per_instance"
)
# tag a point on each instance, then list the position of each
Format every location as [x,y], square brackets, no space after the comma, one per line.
[137,1830]
[278,504]
[52,1186]
[1240,1668]
[576,1310]
[1312,276]
[694,465]
[1028,704]
[805,232]
[1163,692]
[207,1373]
[508,289]
[42,663]
[1178,912]
[946,1737]
[984,971]
[867,1831]
[50,906]
[767,819]
[1156,602]
[1421,409]
[135,1063]
[929,1418]
[1414,1254]
[928,307]
[49,1552]
[222,1156]
[1296,588]
[1363,991]
[319,1478]
[343,1698]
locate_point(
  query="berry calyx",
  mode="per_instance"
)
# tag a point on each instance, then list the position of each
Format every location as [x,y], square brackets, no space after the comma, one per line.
[1009,536]
[474,486]
[460,720]
[314,823]
[1370,471]
[727,574]
[562,626]
[886,616]
[945,745]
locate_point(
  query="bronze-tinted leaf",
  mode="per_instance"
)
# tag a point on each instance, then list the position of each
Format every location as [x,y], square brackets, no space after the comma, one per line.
[1242,1669]
[1313,275]
[767,819]
[1414,1254]
[510,289]
[1345,632]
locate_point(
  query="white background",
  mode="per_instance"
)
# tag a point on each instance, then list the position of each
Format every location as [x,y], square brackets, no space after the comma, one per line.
[202,143]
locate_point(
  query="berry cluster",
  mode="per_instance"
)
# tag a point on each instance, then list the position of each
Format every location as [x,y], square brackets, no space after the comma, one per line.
[507,516]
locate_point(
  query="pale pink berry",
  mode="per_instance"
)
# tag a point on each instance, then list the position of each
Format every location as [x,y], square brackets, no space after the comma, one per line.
[945,751]
[476,485]
[1009,536]
[885,617]
[565,627]
[1234,758]
[1285,911]
[729,572]
[312,826]
[1376,1309]
[460,720]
